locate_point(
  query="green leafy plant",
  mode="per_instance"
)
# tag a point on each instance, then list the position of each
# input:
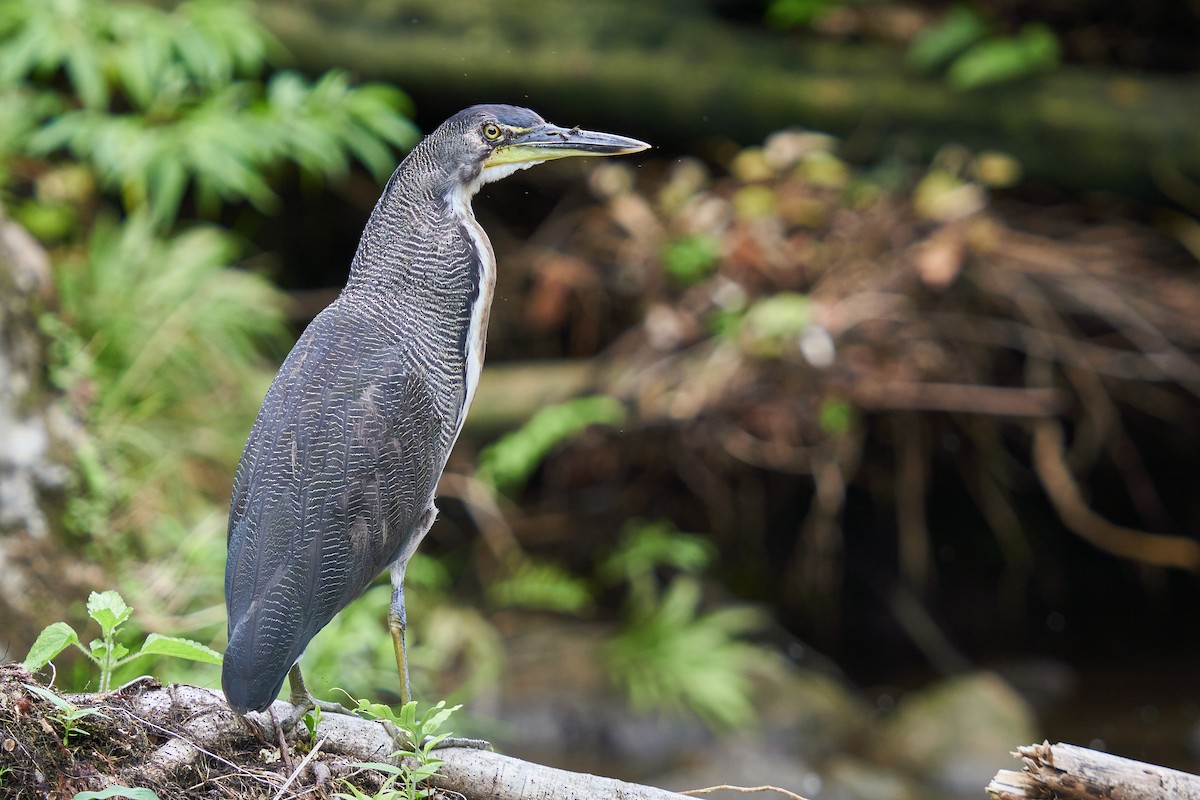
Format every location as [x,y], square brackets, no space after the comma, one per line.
[423,734]
[110,612]
[164,100]
[799,13]
[964,44]
[507,463]
[163,328]
[312,720]
[540,585]
[773,322]
[837,417]
[66,714]
[690,259]
[669,653]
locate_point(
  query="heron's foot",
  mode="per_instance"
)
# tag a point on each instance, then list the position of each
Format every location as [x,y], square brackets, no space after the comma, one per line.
[403,742]
[458,741]
[302,704]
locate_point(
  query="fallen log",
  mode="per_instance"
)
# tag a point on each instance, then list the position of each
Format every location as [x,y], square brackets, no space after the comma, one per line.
[185,741]
[1068,772]
[674,74]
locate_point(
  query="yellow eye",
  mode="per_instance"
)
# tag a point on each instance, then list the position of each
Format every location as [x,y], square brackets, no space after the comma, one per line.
[491,131]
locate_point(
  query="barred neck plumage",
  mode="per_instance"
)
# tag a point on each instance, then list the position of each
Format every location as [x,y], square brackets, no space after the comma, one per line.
[425,262]
[412,225]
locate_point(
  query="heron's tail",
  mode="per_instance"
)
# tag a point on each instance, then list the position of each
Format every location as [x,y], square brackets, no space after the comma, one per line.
[252,674]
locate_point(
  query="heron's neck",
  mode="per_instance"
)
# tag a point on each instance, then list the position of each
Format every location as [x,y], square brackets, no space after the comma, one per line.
[413,225]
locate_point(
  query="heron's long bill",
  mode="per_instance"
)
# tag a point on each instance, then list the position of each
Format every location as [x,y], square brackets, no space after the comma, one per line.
[548,142]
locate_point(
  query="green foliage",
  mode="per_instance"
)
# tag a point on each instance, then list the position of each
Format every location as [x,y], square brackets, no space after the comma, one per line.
[312,720]
[836,417]
[127,111]
[507,463]
[110,612]
[1035,49]
[799,13]
[422,732]
[543,586]
[774,322]
[167,100]
[940,44]
[65,714]
[647,546]
[169,338]
[670,654]
[964,44]
[691,259]
[135,793]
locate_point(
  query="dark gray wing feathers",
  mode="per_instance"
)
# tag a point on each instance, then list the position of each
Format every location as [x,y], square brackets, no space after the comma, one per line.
[340,466]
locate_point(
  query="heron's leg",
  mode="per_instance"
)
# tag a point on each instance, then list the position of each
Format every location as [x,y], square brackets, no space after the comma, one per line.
[397,622]
[397,618]
[300,696]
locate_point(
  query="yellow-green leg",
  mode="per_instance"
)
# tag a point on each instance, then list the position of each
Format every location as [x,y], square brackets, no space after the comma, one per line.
[397,623]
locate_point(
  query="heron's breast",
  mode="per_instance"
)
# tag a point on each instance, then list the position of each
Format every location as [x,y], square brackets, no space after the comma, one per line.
[481,308]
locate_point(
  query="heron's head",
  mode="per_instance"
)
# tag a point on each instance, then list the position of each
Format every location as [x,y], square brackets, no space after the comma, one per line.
[486,143]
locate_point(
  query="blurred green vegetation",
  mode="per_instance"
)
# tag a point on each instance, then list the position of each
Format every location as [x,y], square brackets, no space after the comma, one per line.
[964,44]
[129,123]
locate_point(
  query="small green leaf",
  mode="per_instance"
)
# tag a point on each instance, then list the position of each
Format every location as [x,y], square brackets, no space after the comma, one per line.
[49,696]
[136,793]
[50,642]
[1035,49]
[508,462]
[836,417]
[109,610]
[436,717]
[541,585]
[785,14]
[692,258]
[378,766]
[100,650]
[939,43]
[157,644]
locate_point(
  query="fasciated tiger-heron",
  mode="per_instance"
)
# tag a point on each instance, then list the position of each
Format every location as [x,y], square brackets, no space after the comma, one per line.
[337,479]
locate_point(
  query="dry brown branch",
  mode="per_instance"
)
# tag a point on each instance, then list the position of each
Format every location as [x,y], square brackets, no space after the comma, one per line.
[994,401]
[912,460]
[1067,772]
[1050,463]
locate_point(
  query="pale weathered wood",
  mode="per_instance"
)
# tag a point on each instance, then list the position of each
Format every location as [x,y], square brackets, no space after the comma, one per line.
[199,725]
[1066,771]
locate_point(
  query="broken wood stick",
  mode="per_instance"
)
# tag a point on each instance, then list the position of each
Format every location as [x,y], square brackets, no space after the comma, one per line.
[1068,772]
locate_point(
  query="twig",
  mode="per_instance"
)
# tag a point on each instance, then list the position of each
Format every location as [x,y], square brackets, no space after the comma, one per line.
[480,503]
[1069,772]
[1149,548]
[999,401]
[299,768]
[744,790]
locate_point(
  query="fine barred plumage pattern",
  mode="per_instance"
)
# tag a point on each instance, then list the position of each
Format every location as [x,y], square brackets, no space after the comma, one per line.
[337,479]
